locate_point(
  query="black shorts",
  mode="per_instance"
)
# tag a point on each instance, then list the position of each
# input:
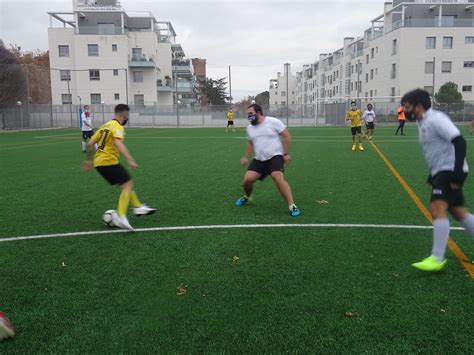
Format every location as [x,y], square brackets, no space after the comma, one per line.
[356,130]
[267,167]
[114,174]
[441,190]
[87,134]
[370,125]
[230,123]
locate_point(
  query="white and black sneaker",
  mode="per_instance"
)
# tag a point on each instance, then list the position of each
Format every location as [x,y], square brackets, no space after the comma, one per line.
[143,210]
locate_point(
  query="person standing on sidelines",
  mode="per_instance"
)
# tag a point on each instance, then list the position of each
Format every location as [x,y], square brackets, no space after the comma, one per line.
[86,127]
[401,120]
[369,119]
[265,135]
[355,117]
[444,149]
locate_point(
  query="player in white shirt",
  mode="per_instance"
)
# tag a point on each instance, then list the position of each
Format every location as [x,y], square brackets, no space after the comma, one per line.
[444,149]
[369,120]
[265,135]
[86,127]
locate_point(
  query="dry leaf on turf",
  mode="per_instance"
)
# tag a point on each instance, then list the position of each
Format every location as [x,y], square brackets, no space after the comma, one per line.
[349,314]
[63,264]
[181,290]
[235,258]
[322,202]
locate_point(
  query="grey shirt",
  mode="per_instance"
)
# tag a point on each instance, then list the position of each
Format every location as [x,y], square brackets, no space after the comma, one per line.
[436,131]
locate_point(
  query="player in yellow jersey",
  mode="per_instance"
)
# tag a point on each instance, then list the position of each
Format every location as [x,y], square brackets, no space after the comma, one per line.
[230,120]
[109,139]
[355,116]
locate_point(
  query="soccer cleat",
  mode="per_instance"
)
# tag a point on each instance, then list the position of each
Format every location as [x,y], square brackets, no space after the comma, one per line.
[361,148]
[353,147]
[6,328]
[143,210]
[430,264]
[242,201]
[295,212]
[122,223]
[370,138]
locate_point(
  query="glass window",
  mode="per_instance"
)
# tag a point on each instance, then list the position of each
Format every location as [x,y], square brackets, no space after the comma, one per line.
[93,50]
[469,40]
[446,67]
[429,67]
[117,96]
[138,76]
[114,48]
[447,42]
[115,72]
[469,64]
[467,88]
[430,42]
[94,74]
[63,51]
[65,75]
[66,99]
[96,99]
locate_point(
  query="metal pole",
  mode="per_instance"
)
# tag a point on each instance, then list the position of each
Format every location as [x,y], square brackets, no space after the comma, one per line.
[434,75]
[126,86]
[28,90]
[177,98]
[358,78]
[70,101]
[103,115]
[287,106]
[230,86]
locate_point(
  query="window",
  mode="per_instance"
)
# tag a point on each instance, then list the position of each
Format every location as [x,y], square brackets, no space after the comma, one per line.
[96,99]
[394,47]
[106,28]
[137,54]
[469,64]
[352,69]
[366,94]
[63,51]
[352,86]
[292,93]
[429,89]
[66,99]
[117,96]
[283,93]
[429,67]
[446,67]
[115,72]
[469,40]
[367,59]
[65,75]
[447,42]
[138,76]
[467,88]
[93,50]
[392,93]
[371,93]
[394,71]
[114,48]
[366,77]
[430,42]
[283,102]
[94,74]
[372,53]
[371,74]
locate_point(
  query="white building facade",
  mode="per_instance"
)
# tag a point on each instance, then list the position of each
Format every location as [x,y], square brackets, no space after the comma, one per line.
[105,55]
[413,44]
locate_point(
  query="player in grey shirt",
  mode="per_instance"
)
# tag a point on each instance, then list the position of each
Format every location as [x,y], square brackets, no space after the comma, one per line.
[444,149]
[271,155]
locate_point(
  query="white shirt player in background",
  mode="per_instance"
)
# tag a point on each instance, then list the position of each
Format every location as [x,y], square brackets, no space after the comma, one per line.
[86,127]
[369,120]
[444,149]
[265,135]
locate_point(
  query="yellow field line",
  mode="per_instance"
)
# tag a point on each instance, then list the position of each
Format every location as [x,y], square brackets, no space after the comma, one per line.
[468,266]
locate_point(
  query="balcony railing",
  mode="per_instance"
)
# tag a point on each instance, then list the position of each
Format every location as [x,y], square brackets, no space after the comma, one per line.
[103,31]
[141,62]
[430,23]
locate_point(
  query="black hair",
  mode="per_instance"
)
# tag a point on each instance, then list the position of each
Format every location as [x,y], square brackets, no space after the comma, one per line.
[353,102]
[121,108]
[370,105]
[257,108]
[416,97]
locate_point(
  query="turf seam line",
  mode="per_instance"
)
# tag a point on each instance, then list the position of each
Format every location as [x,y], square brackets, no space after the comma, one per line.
[224,226]
[455,249]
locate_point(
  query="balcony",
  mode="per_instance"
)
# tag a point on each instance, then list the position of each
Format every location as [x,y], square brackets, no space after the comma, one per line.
[141,62]
[181,67]
[429,23]
[101,31]
[164,85]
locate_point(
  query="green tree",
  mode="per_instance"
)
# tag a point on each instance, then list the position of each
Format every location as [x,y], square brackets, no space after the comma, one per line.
[263,99]
[448,94]
[215,91]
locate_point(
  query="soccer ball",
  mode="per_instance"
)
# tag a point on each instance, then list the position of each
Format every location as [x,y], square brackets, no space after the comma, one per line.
[6,328]
[108,218]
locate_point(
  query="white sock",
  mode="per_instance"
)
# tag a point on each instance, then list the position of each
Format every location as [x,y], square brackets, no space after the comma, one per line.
[291,206]
[468,224]
[83,145]
[440,238]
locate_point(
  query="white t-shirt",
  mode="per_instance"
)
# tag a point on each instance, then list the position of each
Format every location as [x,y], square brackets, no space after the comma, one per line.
[436,131]
[266,138]
[369,116]
[84,119]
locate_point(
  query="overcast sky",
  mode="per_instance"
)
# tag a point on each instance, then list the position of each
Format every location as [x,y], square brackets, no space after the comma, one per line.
[255,37]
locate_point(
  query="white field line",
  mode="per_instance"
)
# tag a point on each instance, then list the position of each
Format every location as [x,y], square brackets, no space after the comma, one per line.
[231,226]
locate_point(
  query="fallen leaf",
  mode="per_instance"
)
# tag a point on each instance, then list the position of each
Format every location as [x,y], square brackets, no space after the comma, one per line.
[396,275]
[181,290]
[322,202]
[443,310]
[63,264]
[349,314]
[235,258]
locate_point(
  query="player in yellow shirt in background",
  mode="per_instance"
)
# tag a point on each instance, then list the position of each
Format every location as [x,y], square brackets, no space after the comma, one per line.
[355,116]
[109,139]
[230,120]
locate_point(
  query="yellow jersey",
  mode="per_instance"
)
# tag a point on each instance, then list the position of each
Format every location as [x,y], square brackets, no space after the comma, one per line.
[356,117]
[107,154]
[230,116]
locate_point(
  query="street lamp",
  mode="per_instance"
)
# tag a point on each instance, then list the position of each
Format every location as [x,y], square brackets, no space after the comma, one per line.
[18,103]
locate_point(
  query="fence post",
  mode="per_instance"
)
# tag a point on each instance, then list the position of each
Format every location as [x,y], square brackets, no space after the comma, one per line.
[153,115]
